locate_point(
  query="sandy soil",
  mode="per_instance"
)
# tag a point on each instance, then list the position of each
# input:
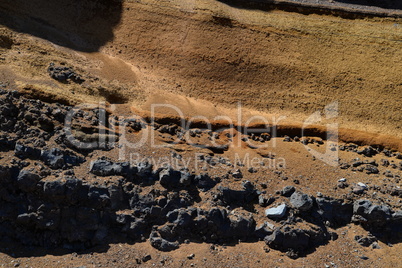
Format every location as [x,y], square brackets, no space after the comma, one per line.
[206,57]
[273,62]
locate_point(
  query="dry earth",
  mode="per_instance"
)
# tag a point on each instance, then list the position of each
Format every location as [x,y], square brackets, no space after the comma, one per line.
[206,57]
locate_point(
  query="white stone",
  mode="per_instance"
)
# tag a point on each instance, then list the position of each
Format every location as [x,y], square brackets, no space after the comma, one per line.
[362,185]
[276,212]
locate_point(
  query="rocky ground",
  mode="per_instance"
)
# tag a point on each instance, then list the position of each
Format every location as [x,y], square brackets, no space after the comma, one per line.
[90,177]
[60,191]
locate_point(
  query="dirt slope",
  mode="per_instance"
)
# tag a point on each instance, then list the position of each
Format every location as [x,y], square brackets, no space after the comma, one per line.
[206,57]
[273,62]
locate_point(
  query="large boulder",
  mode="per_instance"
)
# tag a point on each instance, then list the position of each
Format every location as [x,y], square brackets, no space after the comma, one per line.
[23,152]
[288,239]
[335,211]
[237,197]
[296,240]
[371,215]
[59,159]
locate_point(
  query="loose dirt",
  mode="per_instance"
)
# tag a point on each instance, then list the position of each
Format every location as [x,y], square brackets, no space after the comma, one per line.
[206,58]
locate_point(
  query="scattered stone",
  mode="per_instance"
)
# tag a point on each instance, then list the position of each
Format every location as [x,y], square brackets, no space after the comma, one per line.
[265,201]
[385,162]
[237,174]
[169,178]
[344,166]
[368,151]
[375,245]
[162,244]
[191,256]
[369,214]
[204,182]
[276,212]
[359,188]
[104,167]
[63,73]
[252,170]
[288,191]
[146,258]
[370,169]
[365,241]
[357,163]
[301,201]
[289,238]
[287,139]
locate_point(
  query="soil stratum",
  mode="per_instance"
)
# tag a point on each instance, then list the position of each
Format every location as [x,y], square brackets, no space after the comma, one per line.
[209,59]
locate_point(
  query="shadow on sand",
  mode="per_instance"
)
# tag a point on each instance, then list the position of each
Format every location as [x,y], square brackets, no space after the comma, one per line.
[81,25]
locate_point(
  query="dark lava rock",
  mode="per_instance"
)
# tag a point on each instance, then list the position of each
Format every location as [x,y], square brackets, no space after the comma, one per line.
[371,215]
[368,151]
[169,178]
[241,227]
[180,217]
[370,169]
[104,167]
[336,211]
[134,124]
[357,163]
[24,152]
[161,243]
[265,201]
[365,241]
[59,159]
[301,201]
[137,228]
[237,197]
[397,216]
[288,191]
[237,174]
[63,73]
[252,170]
[385,162]
[27,180]
[361,207]
[342,185]
[54,190]
[204,182]
[146,258]
[295,239]
[98,196]
[344,166]
[186,178]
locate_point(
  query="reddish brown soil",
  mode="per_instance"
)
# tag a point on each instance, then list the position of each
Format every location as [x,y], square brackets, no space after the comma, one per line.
[205,57]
